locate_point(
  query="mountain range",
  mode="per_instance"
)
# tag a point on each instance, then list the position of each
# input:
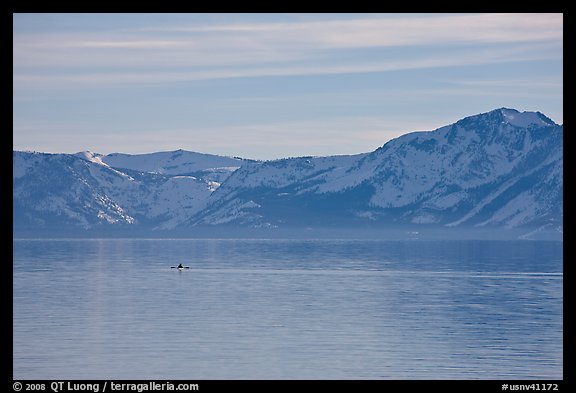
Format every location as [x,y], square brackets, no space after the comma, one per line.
[497,173]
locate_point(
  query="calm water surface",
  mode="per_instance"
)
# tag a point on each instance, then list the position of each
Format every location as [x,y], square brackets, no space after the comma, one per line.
[287,309]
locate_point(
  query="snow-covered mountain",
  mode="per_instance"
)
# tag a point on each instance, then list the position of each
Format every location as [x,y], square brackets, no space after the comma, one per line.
[91,190]
[176,163]
[501,169]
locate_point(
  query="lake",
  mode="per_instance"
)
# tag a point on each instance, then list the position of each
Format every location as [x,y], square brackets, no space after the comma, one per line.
[287,309]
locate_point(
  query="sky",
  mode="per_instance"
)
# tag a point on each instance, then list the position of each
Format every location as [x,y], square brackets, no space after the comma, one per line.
[268,86]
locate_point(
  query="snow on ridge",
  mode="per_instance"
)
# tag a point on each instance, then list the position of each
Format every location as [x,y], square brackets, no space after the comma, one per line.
[222,168]
[171,162]
[97,159]
[523,119]
[92,157]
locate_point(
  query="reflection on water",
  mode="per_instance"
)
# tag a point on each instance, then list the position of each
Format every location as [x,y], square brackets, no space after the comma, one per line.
[281,309]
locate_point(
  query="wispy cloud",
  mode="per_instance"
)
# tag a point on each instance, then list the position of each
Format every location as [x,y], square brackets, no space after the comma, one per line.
[169,54]
[125,76]
[352,33]
[385,31]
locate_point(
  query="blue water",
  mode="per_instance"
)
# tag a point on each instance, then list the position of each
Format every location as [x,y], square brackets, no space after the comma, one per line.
[287,309]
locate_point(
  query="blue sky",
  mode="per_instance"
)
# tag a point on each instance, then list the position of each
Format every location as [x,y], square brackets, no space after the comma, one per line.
[269,86]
